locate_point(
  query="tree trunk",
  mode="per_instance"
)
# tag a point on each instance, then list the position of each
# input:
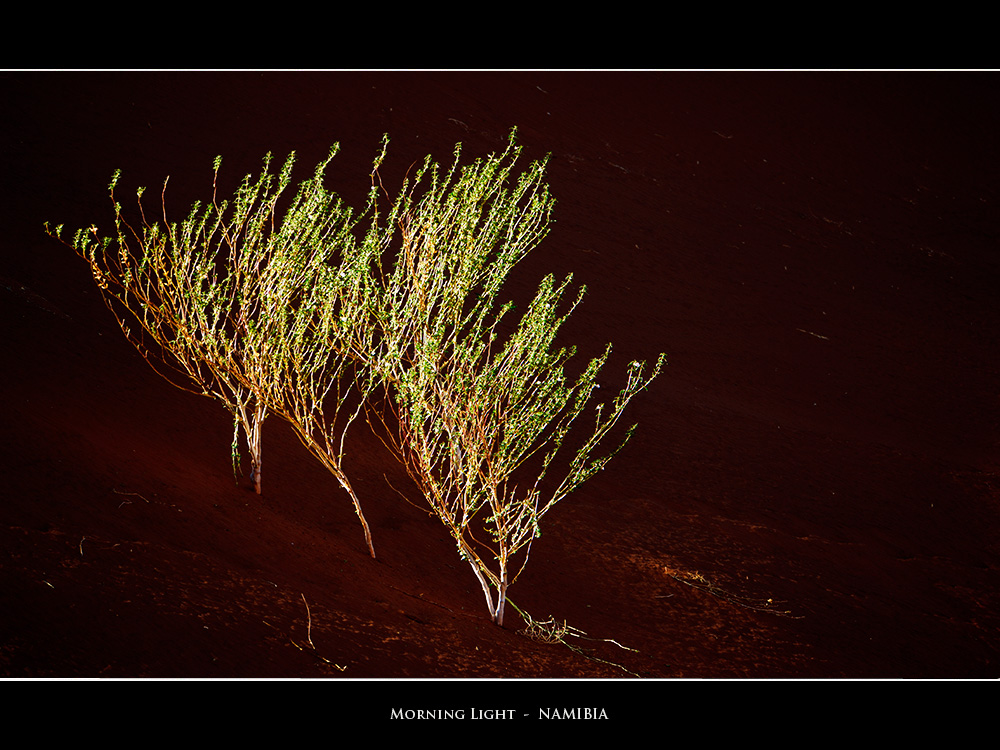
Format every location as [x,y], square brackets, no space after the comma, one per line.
[501,596]
[361,516]
[474,564]
[253,437]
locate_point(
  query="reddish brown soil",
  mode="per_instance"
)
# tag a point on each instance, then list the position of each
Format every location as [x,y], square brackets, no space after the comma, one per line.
[816,253]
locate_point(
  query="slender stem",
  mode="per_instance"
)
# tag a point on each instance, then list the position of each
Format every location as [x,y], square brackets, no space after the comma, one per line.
[361,515]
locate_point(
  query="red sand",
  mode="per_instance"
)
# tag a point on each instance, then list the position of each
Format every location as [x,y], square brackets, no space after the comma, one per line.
[816,253]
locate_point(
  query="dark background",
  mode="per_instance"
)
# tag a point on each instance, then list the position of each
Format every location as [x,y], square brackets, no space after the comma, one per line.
[816,252]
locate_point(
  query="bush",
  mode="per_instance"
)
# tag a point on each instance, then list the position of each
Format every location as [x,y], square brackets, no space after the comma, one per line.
[310,318]
[479,423]
[238,302]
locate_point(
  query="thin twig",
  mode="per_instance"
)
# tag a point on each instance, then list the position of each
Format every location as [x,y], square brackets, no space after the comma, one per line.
[134,494]
[817,335]
[308,624]
[699,582]
[552,631]
[312,646]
